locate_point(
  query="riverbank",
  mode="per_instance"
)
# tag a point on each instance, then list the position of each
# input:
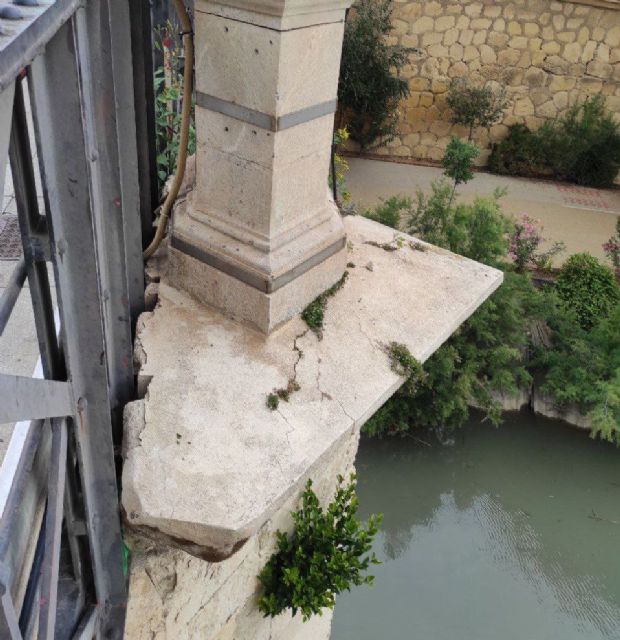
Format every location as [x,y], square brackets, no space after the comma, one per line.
[543,405]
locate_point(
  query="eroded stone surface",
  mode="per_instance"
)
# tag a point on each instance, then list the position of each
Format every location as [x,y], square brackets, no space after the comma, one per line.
[209,463]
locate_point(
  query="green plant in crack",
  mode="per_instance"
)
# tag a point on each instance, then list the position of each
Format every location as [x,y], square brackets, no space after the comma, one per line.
[404,364]
[328,552]
[314,314]
[284,393]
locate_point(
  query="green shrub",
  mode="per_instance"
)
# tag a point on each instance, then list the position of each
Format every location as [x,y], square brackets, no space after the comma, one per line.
[370,88]
[588,288]
[478,230]
[457,161]
[519,154]
[581,367]
[582,146]
[327,553]
[476,106]
[391,211]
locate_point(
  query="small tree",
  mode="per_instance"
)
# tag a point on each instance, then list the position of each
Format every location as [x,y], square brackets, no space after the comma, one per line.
[370,88]
[476,106]
[458,161]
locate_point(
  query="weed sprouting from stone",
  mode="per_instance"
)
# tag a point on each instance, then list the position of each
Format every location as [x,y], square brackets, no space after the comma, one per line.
[314,314]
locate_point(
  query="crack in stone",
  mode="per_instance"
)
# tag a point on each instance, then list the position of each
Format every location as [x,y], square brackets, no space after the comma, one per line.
[300,353]
[371,342]
[346,413]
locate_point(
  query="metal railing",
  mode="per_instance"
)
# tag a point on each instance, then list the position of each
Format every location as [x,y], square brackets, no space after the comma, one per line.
[69,64]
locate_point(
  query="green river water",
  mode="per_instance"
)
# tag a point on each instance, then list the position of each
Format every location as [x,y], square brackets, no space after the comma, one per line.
[509,534]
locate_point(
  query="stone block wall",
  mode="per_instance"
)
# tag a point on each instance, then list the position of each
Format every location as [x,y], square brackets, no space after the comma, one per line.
[548,54]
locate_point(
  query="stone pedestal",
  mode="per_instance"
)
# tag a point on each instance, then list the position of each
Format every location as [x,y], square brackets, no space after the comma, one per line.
[260,237]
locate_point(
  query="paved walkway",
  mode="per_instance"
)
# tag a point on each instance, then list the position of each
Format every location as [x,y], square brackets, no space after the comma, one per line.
[19,350]
[582,218]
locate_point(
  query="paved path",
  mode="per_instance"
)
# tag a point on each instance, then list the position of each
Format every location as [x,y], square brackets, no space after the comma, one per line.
[583,218]
[19,349]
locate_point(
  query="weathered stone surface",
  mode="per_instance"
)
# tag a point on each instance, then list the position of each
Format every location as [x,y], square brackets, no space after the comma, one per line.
[176,596]
[211,463]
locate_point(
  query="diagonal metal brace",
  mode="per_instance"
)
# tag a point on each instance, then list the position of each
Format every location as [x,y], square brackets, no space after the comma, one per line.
[24,398]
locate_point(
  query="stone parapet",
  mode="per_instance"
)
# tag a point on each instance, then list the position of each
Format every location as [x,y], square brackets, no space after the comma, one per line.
[209,463]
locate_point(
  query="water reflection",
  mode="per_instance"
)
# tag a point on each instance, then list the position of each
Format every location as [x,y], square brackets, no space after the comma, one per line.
[511,533]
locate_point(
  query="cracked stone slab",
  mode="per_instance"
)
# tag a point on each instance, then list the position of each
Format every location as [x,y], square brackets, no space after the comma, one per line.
[206,461]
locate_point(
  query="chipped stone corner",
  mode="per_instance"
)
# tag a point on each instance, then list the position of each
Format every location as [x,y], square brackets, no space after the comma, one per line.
[175,594]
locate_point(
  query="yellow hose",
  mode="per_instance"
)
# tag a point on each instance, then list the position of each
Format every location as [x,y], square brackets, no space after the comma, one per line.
[188,46]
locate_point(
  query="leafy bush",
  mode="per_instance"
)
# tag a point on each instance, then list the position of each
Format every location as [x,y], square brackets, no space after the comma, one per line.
[582,367]
[168,104]
[327,553]
[391,211]
[478,230]
[519,154]
[476,106]
[582,146]
[588,288]
[370,89]
[524,243]
[458,160]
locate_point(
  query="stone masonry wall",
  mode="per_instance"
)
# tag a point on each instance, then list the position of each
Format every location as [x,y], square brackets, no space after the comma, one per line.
[548,54]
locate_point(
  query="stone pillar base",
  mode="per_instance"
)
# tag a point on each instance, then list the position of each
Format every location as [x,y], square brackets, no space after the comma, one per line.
[248,284]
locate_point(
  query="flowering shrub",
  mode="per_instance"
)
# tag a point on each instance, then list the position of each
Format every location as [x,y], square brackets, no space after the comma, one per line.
[524,243]
[612,249]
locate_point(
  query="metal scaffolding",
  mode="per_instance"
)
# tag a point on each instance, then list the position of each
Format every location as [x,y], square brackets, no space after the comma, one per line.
[80,77]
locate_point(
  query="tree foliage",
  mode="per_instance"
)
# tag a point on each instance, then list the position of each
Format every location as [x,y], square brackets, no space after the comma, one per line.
[476,106]
[458,160]
[370,88]
[581,367]
[477,230]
